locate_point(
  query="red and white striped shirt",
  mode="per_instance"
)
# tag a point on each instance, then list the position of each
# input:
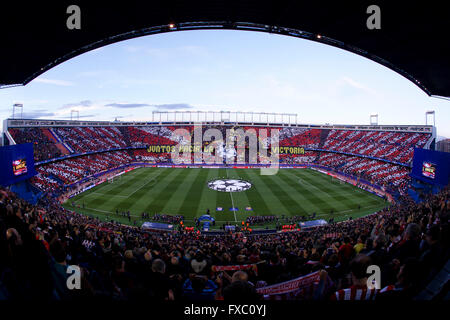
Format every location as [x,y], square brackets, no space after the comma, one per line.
[355,293]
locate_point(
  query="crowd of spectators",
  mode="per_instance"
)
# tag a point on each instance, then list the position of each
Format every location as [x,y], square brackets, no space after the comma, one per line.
[59,173]
[307,158]
[44,147]
[88,139]
[307,138]
[152,157]
[408,241]
[392,146]
[394,177]
[148,136]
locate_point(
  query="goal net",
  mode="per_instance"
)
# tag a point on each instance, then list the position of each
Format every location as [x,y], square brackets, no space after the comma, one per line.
[112,179]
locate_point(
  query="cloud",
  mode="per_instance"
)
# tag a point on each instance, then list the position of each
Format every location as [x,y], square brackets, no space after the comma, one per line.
[88,108]
[81,116]
[85,106]
[170,106]
[55,82]
[127,105]
[35,114]
[355,84]
[84,103]
[173,106]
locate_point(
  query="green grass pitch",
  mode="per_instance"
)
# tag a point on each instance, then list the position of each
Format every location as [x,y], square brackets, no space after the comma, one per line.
[185,191]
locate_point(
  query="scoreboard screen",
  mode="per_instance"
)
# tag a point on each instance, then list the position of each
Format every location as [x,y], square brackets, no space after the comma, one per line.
[19,167]
[432,167]
[16,163]
[429,170]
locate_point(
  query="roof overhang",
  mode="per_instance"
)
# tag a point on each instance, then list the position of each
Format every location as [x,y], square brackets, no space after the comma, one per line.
[412,40]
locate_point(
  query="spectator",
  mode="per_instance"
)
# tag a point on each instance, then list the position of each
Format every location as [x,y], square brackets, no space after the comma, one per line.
[407,286]
[359,289]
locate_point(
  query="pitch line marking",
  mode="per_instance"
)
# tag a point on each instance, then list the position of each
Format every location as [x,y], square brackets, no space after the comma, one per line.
[232,201]
[123,179]
[103,194]
[154,180]
[151,180]
[122,182]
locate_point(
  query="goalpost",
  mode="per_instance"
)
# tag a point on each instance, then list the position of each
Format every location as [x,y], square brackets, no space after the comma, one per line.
[116,177]
[112,179]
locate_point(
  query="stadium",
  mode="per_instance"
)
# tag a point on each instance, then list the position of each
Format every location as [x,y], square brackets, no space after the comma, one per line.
[221,205]
[299,146]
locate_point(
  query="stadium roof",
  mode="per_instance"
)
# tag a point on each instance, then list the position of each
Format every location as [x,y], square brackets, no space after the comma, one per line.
[412,41]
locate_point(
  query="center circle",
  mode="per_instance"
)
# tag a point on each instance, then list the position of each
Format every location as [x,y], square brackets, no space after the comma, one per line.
[229,185]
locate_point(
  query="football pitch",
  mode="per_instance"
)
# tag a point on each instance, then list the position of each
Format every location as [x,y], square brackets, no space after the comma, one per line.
[187,192]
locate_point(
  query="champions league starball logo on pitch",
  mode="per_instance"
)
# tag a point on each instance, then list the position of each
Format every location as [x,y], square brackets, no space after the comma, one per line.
[237,147]
[229,185]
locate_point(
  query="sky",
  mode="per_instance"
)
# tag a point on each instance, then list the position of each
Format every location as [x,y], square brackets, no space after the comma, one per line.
[225,70]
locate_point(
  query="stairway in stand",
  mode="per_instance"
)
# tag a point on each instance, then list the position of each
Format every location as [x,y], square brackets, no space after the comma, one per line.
[59,145]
